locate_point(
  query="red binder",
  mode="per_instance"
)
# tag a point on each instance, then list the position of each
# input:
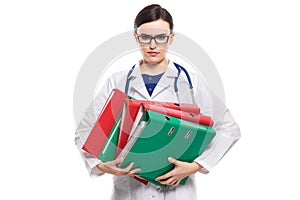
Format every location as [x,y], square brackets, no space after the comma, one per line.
[131,108]
[105,122]
[193,117]
[193,108]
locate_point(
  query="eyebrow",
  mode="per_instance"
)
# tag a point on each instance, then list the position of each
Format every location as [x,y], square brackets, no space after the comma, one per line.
[154,35]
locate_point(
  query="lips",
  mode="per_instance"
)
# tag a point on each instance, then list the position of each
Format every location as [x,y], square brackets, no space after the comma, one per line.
[153,53]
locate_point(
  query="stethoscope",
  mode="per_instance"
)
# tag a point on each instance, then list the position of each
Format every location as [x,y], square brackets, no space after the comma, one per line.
[179,69]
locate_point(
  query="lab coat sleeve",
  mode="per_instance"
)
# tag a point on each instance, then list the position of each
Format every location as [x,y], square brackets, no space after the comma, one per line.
[87,123]
[227,133]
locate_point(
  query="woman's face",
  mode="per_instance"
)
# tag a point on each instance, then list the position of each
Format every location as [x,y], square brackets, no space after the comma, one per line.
[154,49]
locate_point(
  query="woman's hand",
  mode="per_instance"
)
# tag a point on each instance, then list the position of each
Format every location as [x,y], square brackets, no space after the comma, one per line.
[180,171]
[111,167]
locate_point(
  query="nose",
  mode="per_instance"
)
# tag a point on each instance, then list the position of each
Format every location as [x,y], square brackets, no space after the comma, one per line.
[152,44]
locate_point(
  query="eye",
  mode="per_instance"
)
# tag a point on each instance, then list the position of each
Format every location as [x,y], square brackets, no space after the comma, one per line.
[160,37]
[145,37]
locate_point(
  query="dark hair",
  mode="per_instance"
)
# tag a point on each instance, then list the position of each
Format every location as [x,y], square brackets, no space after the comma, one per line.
[152,13]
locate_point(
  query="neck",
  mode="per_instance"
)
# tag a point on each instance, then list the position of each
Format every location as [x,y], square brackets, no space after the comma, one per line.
[154,69]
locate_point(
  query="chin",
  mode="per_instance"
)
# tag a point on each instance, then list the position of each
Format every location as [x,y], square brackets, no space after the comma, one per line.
[153,60]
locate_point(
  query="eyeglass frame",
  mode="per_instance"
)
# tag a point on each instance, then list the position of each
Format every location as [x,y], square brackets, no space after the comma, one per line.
[153,38]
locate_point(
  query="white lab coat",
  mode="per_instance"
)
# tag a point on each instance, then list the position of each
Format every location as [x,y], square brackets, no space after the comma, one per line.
[127,188]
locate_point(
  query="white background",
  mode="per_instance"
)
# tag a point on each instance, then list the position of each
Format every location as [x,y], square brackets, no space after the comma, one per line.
[254,44]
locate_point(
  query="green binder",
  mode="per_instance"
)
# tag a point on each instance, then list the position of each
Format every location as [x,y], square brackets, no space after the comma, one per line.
[109,148]
[157,137]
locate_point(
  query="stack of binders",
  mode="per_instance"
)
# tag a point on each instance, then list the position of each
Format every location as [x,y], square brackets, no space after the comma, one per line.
[147,133]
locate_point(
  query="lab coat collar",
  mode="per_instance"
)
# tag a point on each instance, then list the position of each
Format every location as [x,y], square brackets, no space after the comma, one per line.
[171,70]
[165,82]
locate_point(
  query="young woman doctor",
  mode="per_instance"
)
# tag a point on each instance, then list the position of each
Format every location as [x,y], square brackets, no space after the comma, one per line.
[153,78]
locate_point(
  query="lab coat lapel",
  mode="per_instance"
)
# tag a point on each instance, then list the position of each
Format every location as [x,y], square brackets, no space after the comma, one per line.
[166,81]
[137,83]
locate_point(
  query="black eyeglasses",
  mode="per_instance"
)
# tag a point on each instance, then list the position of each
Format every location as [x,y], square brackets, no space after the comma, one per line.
[159,39]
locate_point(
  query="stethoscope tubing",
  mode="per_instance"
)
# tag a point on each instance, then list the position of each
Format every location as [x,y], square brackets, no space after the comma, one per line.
[179,69]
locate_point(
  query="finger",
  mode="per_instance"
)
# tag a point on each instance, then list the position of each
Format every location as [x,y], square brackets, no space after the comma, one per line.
[168,181]
[128,168]
[124,171]
[163,177]
[173,160]
[177,183]
[134,171]
[173,182]
[117,161]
